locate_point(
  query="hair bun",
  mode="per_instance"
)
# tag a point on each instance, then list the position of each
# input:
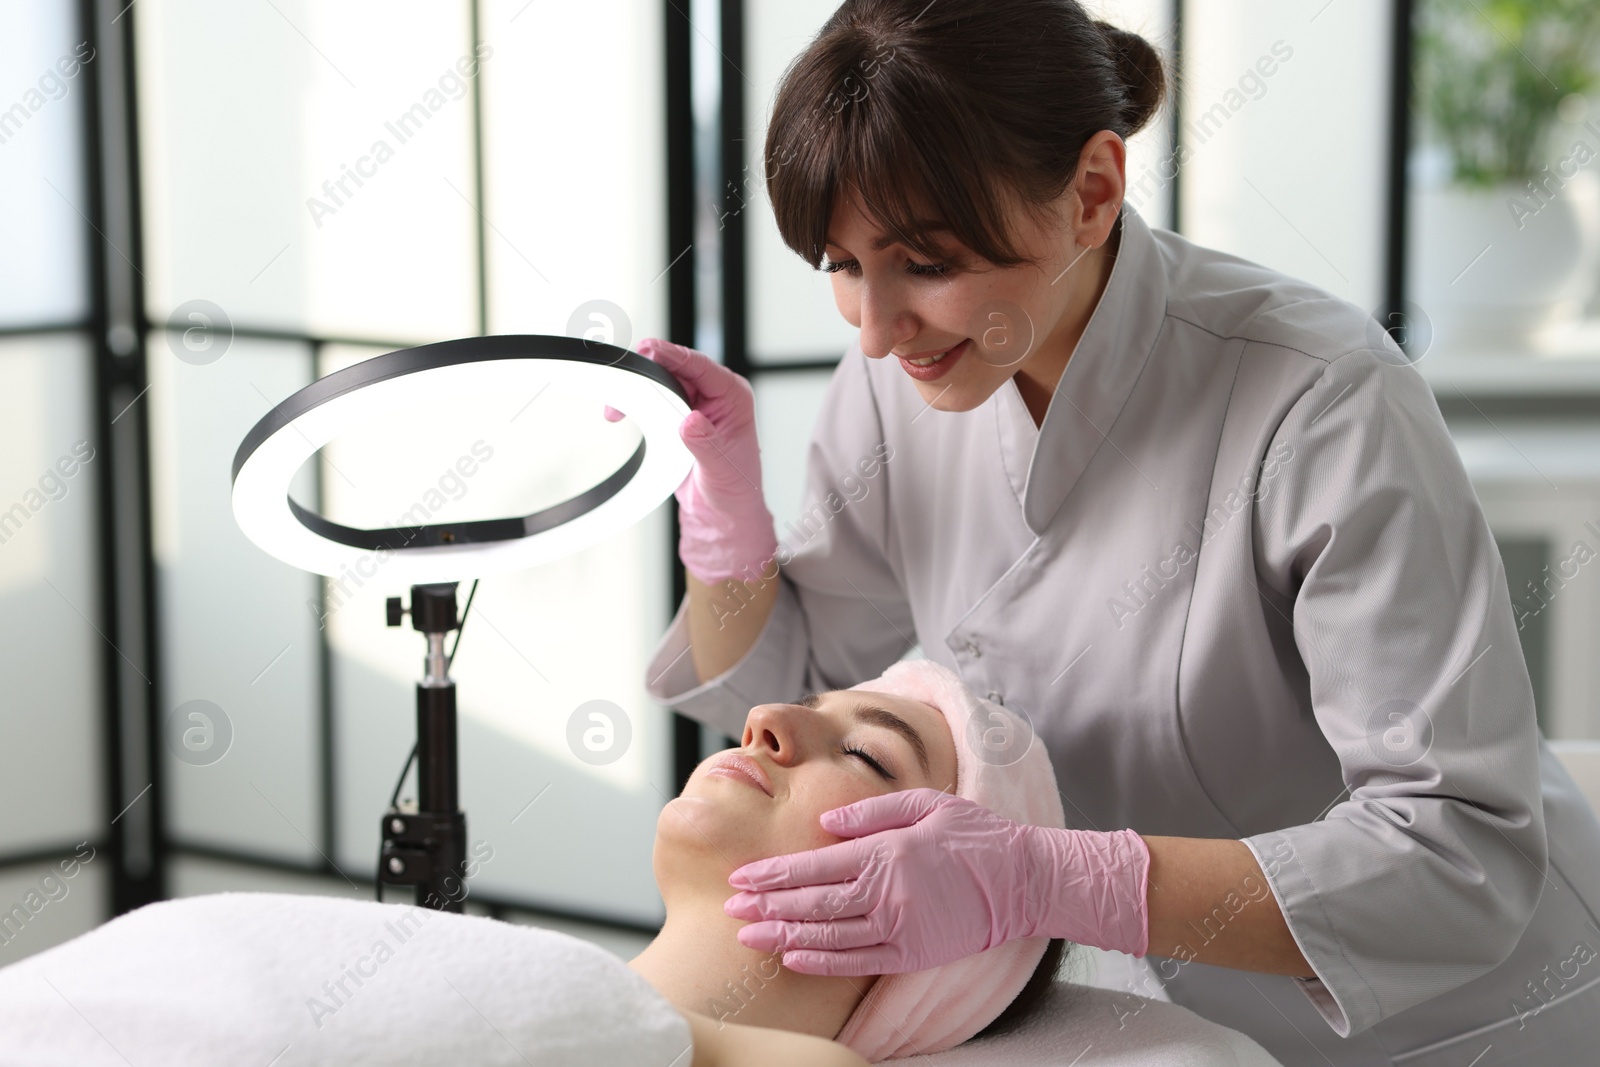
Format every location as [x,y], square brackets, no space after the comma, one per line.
[1142,72]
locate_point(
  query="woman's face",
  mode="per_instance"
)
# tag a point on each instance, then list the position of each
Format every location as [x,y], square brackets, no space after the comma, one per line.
[836,748]
[1011,319]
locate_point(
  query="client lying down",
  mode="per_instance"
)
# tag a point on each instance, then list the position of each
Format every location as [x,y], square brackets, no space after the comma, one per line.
[908,729]
[293,980]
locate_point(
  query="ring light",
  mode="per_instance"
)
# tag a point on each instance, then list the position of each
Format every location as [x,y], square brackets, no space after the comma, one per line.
[451,375]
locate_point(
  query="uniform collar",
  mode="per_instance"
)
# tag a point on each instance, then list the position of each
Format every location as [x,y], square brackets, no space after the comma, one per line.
[1112,352]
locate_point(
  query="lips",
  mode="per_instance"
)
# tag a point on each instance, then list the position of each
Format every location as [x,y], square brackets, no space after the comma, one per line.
[934,371]
[743,766]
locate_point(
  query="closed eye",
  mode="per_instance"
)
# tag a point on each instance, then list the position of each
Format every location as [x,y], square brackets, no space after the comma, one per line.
[874,764]
[853,268]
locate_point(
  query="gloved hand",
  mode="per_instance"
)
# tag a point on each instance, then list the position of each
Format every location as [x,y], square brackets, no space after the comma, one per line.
[725,528]
[931,877]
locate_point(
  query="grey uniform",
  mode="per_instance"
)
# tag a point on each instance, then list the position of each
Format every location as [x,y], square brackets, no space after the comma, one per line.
[1241,586]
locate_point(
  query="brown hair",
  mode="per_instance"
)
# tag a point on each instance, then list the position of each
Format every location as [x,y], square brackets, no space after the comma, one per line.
[940,113]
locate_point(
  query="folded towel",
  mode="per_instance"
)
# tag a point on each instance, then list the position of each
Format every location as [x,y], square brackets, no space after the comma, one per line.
[287,980]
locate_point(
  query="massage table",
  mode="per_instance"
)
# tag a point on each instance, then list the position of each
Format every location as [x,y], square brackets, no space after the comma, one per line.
[285,980]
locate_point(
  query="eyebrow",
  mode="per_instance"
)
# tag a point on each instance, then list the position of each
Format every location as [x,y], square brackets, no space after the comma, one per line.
[870,714]
[880,243]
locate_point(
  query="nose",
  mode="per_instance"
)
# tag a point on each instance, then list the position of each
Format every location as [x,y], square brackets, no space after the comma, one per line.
[885,321]
[771,730]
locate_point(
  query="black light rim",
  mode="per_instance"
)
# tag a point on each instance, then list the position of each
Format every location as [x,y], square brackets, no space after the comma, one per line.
[445,354]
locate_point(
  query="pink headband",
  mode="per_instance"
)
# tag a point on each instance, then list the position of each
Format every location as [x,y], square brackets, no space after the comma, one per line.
[936,1009]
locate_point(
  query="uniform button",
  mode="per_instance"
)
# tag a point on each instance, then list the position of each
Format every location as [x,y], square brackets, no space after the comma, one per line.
[972,647]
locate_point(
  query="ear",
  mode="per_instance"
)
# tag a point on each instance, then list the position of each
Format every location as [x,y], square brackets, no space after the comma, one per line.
[1100,185]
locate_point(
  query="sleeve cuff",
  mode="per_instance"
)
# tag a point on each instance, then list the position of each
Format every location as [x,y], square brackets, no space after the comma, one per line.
[1338,992]
[770,670]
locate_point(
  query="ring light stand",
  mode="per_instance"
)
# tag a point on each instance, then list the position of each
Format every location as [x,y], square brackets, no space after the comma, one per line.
[426,848]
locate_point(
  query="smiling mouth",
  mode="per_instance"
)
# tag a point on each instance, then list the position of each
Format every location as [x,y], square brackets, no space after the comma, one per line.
[929,361]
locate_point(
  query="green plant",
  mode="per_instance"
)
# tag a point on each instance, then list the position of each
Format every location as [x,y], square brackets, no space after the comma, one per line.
[1491,73]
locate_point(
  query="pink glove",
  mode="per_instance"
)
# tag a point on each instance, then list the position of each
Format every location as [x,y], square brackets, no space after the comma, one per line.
[932,877]
[725,528]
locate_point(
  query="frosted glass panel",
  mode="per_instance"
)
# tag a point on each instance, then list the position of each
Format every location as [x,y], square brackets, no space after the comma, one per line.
[1286,126]
[573,169]
[42,90]
[69,896]
[538,644]
[190,876]
[787,405]
[792,313]
[52,657]
[238,628]
[309,166]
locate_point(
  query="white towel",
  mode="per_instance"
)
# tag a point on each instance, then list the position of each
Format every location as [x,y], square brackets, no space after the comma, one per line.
[285,980]
[280,980]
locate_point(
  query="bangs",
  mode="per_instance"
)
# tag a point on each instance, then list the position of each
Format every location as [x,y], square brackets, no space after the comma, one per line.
[915,162]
